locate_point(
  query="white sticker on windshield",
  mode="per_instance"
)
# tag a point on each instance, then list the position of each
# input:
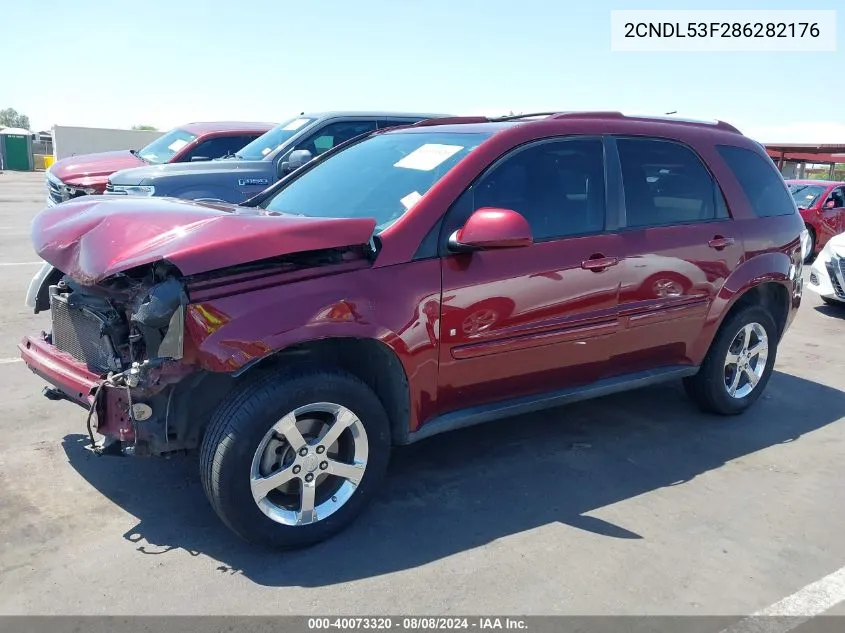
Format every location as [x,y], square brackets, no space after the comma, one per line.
[265,151]
[428,156]
[149,156]
[176,145]
[295,124]
[411,199]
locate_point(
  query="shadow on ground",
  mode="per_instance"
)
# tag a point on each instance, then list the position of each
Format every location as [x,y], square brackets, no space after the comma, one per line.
[830,310]
[461,490]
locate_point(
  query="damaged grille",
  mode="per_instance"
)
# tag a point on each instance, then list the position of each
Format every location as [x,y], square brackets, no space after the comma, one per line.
[79,334]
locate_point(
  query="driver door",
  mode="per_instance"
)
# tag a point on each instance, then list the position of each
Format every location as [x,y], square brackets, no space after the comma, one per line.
[526,320]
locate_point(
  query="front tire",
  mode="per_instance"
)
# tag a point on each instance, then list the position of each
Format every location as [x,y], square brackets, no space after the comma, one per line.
[293,458]
[738,364]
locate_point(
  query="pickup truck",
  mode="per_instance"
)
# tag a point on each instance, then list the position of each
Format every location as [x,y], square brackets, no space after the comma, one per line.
[88,174]
[258,165]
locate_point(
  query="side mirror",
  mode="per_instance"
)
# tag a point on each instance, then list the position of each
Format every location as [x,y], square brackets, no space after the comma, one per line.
[297,159]
[490,228]
[200,158]
[830,204]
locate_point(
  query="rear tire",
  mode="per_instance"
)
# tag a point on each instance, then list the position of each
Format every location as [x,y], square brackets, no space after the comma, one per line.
[264,420]
[710,388]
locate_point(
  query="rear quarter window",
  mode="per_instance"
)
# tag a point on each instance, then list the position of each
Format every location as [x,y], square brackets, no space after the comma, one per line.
[760,180]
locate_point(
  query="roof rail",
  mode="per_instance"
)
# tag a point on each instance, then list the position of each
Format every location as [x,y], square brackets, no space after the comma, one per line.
[525,115]
[585,114]
[451,119]
[648,117]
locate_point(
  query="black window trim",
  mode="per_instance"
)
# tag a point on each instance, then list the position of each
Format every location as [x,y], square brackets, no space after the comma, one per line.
[620,187]
[442,222]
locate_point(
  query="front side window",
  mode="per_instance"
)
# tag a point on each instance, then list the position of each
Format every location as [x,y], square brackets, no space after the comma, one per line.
[838,198]
[165,147]
[270,141]
[217,147]
[557,186]
[335,134]
[805,196]
[665,183]
[381,177]
[760,180]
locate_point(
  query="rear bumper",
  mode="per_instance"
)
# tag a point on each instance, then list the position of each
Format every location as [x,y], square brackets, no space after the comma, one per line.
[59,369]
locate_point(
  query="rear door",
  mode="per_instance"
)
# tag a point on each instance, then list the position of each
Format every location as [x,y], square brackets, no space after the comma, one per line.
[533,319]
[680,245]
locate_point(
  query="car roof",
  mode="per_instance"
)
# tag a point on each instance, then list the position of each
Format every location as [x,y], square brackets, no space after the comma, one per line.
[372,113]
[666,126]
[208,127]
[814,181]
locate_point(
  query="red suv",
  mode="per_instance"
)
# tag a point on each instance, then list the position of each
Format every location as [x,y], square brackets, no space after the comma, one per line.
[88,174]
[409,282]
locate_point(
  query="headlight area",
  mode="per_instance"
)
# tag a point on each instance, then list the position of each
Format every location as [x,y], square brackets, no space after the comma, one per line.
[130,190]
[157,322]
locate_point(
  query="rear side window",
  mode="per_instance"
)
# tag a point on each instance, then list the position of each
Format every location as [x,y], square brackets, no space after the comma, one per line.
[759,178]
[666,183]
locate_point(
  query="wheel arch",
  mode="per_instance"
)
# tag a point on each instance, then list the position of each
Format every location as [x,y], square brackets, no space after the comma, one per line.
[765,280]
[370,360]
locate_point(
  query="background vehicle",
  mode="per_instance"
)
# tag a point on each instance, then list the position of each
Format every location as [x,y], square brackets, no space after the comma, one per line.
[261,163]
[88,174]
[412,282]
[821,204]
[827,275]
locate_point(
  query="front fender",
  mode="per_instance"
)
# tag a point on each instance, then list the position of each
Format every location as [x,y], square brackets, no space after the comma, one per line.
[775,267]
[396,305]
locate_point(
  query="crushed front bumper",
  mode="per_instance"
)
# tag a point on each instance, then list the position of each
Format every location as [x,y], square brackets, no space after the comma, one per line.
[77,384]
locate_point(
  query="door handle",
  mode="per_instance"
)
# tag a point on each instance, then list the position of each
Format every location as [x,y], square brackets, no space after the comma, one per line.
[598,263]
[720,242]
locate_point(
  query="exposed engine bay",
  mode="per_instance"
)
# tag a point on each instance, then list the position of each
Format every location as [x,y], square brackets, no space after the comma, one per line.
[128,318]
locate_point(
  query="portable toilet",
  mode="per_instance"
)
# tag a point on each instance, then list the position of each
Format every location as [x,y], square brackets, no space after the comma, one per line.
[16,149]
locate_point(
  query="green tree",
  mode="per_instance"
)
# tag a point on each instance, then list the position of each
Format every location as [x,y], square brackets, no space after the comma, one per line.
[152,128]
[11,118]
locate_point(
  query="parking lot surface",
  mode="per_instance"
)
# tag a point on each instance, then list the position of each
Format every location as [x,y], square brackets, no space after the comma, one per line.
[632,504]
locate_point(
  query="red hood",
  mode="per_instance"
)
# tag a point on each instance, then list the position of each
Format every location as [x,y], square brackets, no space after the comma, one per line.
[93,169]
[92,238]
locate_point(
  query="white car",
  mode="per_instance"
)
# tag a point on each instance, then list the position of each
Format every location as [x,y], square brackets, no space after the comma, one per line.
[827,276]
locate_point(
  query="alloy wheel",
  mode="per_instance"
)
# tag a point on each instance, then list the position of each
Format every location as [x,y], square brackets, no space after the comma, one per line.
[309,464]
[746,359]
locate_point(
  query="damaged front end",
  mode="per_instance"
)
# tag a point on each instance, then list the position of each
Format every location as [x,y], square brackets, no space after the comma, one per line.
[115,348]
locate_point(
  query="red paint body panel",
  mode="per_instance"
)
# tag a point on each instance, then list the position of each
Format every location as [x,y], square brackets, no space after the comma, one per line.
[60,369]
[91,238]
[825,222]
[93,170]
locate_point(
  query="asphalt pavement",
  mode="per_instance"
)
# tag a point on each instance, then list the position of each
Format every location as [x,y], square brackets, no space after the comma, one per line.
[631,504]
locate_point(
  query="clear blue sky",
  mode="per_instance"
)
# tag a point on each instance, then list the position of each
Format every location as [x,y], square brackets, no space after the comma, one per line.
[165,62]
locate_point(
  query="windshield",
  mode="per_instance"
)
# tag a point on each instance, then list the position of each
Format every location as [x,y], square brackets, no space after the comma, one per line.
[381,177]
[165,147]
[805,196]
[271,140]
